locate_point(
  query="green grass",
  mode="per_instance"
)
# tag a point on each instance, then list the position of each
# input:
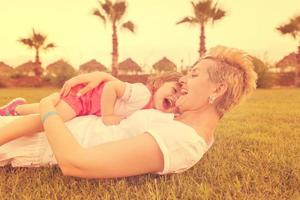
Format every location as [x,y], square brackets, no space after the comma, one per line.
[256,155]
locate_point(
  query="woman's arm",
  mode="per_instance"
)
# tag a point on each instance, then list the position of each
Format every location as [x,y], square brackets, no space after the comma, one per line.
[128,157]
[92,79]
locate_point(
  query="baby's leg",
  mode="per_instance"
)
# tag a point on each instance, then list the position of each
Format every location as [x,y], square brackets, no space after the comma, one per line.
[26,109]
[30,124]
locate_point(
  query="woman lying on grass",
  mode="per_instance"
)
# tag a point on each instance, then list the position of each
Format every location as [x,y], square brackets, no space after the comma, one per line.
[148,141]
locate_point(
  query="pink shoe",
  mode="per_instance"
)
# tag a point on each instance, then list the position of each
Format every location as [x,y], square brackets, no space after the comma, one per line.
[10,108]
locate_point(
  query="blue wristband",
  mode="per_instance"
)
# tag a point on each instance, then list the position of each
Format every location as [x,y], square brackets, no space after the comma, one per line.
[47,115]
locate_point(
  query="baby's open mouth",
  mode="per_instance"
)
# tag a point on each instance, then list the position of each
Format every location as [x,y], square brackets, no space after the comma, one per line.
[168,103]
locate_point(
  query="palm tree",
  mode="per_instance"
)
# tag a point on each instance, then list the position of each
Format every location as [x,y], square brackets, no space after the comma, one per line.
[114,12]
[293,28]
[37,41]
[205,11]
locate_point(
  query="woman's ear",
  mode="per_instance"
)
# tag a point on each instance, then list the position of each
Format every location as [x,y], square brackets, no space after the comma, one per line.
[221,88]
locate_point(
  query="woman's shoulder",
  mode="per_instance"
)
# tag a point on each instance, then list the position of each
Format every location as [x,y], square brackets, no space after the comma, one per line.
[179,143]
[165,124]
[186,132]
[153,114]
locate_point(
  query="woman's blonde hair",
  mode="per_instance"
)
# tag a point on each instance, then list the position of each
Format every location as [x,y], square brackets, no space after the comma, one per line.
[235,68]
[155,82]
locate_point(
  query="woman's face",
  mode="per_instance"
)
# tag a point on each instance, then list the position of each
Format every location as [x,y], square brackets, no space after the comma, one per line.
[196,87]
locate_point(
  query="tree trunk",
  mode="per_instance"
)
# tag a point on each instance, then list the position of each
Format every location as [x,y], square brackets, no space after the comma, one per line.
[37,69]
[37,56]
[202,49]
[114,65]
[297,73]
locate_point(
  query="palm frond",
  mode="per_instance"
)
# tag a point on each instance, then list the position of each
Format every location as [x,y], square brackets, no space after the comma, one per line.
[191,20]
[205,11]
[119,9]
[129,25]
[26,41]
[107,7]
[287,29]
[97,12]
[49,46]
[38,38]
[296,22]
[218,14]
[202,10]
[292,27]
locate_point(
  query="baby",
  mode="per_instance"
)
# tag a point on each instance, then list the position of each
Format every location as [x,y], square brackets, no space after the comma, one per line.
[112,100]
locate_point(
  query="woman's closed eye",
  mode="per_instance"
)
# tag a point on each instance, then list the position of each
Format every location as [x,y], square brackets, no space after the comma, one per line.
[174,90]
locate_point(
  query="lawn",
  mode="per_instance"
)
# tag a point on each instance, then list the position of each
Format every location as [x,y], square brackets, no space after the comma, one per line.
[256,155]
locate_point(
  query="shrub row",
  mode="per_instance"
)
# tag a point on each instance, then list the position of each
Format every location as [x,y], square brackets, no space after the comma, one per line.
[265,80]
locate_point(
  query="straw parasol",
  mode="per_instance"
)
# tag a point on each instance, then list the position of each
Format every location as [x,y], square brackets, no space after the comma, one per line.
[91,66]
[5,69]
[129,65]
[29,68]
[164,65]
[289,60]
[58,67]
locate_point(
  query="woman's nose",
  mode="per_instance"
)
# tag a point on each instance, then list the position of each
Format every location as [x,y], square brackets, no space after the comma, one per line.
[182,80]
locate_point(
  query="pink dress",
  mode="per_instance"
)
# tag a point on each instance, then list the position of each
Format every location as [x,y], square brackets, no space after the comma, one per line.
[136,96]
[87,104]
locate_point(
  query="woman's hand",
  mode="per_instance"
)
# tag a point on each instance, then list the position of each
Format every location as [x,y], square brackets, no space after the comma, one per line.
[92,79]
[111,119]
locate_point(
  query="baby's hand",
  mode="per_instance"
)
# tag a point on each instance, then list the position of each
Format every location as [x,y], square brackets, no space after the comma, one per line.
[111,119]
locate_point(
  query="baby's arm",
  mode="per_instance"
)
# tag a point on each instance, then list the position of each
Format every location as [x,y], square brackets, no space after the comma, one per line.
[112,90]
[92,80]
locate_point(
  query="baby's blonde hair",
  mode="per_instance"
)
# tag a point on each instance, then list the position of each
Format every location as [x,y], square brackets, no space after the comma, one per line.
[155,82]
[235,68]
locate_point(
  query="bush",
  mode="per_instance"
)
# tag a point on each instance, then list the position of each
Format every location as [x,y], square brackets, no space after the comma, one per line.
[265,79]
[134,78]
[59,73]
[57,80]
[2,84]
[286,79]
[16,75]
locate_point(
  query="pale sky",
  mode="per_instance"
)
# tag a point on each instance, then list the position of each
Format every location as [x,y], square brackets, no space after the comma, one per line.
[79,36]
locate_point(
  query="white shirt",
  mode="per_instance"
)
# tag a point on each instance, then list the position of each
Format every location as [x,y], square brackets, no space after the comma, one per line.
[135,97]
[180,144]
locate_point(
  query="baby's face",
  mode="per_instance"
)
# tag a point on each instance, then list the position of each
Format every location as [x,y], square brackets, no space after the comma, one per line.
[165,97]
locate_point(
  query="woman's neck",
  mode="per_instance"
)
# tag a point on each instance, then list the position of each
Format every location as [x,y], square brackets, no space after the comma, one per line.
[204,121]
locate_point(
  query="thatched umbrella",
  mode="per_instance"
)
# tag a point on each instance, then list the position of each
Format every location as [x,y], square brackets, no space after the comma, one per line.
[91,66]
[129,66]
[29,68]
[59,67]
[164,65]
[5,69]
[289,61]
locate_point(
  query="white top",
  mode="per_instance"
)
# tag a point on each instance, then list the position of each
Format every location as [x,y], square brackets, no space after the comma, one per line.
[181,146]
[135,97]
